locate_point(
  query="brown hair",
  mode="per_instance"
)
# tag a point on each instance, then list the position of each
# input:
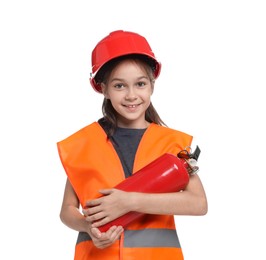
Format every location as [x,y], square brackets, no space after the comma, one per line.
[109,113]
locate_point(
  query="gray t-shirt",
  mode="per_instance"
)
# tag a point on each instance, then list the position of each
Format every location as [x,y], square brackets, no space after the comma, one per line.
[125,142]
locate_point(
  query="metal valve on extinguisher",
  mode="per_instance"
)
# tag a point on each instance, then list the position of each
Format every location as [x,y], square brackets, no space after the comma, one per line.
[167,173]
[190,159]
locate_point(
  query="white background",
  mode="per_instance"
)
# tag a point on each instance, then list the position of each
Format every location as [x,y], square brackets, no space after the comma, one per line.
[211,86]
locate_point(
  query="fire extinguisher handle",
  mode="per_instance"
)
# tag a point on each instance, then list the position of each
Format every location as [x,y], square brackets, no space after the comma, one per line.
[195,154]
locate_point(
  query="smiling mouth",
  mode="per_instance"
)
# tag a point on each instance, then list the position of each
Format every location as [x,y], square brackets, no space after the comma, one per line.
[131,106]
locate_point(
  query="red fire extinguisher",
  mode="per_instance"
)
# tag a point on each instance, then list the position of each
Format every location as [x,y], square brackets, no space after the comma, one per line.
[167,173]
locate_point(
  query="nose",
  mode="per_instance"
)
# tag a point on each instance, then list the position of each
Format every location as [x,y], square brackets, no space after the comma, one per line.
[131,94]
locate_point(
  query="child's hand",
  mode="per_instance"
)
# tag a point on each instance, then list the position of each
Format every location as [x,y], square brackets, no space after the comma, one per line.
[102,210]
[105,239]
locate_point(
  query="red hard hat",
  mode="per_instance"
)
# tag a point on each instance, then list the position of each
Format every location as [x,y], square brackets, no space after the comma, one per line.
[116,44]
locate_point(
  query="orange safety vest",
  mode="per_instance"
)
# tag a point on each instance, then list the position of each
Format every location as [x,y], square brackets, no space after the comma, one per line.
[91,163]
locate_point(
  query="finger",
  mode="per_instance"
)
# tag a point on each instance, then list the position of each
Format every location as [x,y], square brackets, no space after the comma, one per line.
[92,203]
[115,232]
[109,237]
[91,211]
[85,212]
[106,191]
[96,232]
[98,220]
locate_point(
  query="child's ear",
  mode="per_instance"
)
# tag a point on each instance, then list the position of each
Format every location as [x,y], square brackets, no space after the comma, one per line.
[104,90]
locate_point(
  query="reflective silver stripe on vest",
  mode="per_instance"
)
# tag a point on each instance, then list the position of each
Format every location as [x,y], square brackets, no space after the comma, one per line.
[144,238]
[151,238]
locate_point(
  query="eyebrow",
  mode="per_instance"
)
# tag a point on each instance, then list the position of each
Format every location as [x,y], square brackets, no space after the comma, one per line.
[139,78]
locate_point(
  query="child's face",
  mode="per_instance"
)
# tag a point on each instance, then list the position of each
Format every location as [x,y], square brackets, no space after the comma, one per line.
[129,89]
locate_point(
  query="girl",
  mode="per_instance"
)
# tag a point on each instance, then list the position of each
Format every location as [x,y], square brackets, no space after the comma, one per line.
[129,136]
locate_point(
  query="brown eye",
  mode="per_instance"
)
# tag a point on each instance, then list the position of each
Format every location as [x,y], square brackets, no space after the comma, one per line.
[141,84]
[118,86]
